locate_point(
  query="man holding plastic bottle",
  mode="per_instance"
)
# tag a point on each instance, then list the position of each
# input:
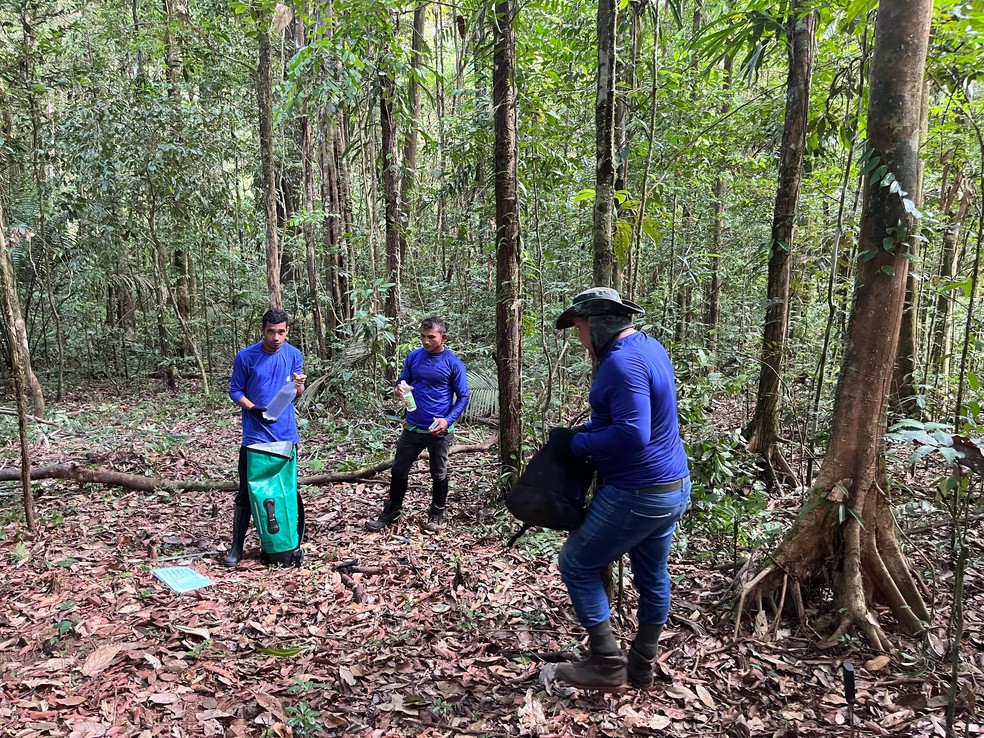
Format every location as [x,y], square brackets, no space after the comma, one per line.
[259,372]
[436,378]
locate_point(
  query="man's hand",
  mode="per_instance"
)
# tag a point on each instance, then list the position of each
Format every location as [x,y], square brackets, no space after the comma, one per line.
[257,412]
[439,427]
[561,438]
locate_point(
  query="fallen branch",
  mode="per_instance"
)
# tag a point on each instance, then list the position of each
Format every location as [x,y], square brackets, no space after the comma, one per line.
[32,418]
[83,474]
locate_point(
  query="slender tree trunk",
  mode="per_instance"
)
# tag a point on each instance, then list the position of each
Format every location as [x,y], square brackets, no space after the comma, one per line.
[264,102]
[603,232]
[905,400]
[306,145]
[861,556]
[764,432]
[21,363]
[712,315]
[180,259]
[346,248]
[40,179]
[17,329]
[167,295]
[955,201]
[508,303]
[625,82]
[439,108]
[171,61]
[331,228]
[412,134]
[644,186]
[183,306]
[391,193]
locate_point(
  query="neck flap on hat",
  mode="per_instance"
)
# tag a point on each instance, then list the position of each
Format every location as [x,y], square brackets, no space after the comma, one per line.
[605,329]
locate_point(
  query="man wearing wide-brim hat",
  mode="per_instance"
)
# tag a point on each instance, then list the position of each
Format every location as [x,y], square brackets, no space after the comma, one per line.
[634,441]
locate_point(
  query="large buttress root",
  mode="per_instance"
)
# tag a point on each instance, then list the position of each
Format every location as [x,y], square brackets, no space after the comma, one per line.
[854,559]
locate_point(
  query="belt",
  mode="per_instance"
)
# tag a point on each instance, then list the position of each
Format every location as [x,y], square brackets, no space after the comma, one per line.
[662,489]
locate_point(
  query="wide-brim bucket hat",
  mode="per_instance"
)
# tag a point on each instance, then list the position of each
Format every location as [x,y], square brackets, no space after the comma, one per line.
[597,301]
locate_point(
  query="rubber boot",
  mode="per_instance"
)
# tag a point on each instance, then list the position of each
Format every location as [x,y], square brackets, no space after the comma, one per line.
[599,671]
[604,668]
[642,655]
[388,516]
[240,525]
[439,497]
[393,508]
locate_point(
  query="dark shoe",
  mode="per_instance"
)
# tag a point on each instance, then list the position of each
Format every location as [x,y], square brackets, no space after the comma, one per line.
[601,672]
[435,522]
[387,517]
[240,525]
[639,670]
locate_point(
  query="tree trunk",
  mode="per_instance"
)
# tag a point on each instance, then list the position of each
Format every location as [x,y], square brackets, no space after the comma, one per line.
[331,231]
[391,194]
[861,557]
[182,301]
[410,140]
[264,103]
[168,295]
[712,314]
[955,201]
[763,435]
[306,145]
[625,82]
[604,256]
[21,363]
[508,298]
[346,248]
[32,84]
[905,399]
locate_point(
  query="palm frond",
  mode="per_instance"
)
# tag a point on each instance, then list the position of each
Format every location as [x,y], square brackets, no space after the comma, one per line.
[483,387]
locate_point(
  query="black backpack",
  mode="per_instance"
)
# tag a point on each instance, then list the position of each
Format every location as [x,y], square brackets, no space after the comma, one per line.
[551,491]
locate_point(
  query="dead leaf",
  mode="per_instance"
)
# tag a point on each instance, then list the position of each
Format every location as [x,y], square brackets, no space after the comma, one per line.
[346,675]
[532,720]
[87,729]
[200,632]
[100,659]
[877,663]
[705,696]
[680,692]
[271,704]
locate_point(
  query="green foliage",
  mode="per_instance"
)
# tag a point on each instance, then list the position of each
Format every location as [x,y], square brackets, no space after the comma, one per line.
[280,652]
[753,30]
[303,719]
[483,388]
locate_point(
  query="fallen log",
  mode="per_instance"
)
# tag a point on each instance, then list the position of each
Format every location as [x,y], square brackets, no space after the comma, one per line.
[75,472]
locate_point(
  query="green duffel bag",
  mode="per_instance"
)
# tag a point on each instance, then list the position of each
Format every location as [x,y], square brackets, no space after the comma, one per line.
[278,513]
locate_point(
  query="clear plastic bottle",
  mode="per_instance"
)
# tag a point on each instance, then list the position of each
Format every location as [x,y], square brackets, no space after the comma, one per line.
[407,395]
[280,401]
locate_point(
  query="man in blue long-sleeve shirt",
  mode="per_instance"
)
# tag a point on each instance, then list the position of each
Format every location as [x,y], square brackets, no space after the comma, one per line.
[258,373]
[440,389]
[634,441]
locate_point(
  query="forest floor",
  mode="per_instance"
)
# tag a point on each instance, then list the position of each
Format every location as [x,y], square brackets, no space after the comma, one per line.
[398,633]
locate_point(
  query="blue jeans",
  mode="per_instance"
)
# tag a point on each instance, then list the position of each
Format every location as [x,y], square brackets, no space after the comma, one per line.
[620,521]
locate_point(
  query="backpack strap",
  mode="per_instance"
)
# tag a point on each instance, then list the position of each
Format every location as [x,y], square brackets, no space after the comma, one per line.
[517,534]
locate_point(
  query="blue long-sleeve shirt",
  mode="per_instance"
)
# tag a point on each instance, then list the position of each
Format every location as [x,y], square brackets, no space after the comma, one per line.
[440,386]
[633,436]
[258,376]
